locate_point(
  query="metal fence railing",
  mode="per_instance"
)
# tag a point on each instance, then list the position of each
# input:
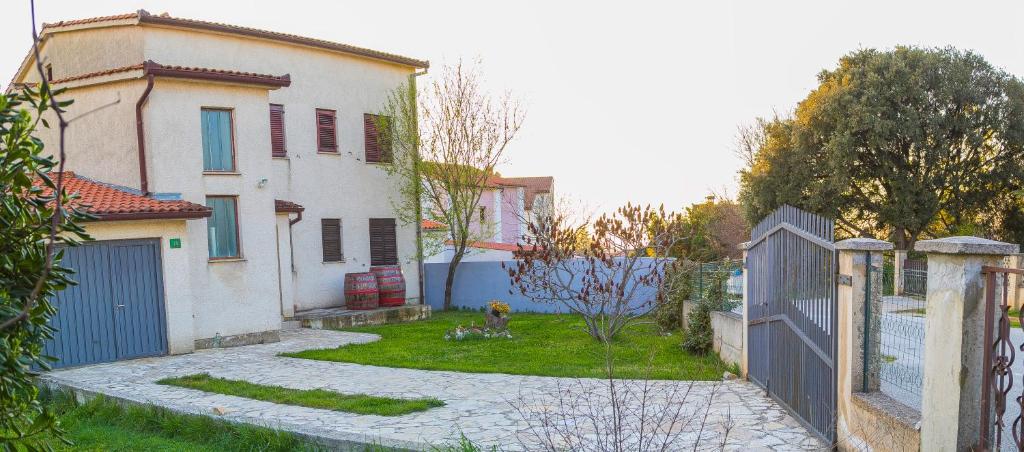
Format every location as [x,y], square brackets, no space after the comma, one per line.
[899,320]
[728,272]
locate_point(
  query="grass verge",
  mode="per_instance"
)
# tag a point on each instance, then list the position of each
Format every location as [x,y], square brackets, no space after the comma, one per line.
[104,425]
[310,398]
[542,344]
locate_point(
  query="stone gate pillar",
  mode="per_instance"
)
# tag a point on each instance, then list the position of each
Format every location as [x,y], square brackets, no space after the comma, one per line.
[953,343]
[746,298]
[897,274]
[860,275]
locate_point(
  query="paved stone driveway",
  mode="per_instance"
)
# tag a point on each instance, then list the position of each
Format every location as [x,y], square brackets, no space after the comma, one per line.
[476,404]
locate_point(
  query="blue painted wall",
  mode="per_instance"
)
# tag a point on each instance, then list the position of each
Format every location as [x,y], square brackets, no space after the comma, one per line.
[477,283]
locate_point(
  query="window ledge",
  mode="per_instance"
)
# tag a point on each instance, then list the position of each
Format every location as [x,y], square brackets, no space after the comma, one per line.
[342,261]
[221,173]
[280,157]
[328,152]
[225,259]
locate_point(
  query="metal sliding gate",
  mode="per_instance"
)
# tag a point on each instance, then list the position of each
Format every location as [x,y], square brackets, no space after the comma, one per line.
[791,267]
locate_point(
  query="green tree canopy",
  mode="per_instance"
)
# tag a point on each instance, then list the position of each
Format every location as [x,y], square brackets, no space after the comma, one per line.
[903,143]
[33,228]
[713,230]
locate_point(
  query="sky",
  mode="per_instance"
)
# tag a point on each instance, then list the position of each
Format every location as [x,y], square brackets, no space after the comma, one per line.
[626,101]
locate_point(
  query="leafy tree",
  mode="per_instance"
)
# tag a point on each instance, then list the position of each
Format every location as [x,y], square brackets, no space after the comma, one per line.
[714,230]
[444,144]
[33,223]
[905,143]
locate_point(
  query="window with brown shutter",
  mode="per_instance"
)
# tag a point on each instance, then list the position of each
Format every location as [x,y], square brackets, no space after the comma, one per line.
[326,131]
[277,147]
[330,230]
[383,246]
[378,145]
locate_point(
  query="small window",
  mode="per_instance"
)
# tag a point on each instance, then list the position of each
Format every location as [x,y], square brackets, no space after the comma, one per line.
[330,231]
[222,227]
[383,245]
[378,144]
[326,131]
[49,72]
[218,143]
[483,214]
[277,147]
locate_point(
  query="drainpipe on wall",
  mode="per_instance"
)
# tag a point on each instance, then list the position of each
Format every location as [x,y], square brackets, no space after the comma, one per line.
[419,197]
[141,134]
[291,246]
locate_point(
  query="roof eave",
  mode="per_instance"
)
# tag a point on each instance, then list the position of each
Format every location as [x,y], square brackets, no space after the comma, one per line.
[247,79]
[192,215]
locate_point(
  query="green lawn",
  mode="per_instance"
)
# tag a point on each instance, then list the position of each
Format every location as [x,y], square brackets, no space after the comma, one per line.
[311,398]
[102,425]
[541,344]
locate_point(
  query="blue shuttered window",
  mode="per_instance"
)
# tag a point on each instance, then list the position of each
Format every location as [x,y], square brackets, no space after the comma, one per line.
[218,152]
[222,227]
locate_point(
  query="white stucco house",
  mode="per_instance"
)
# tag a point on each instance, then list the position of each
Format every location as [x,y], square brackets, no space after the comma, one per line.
[238,168]
[507,206]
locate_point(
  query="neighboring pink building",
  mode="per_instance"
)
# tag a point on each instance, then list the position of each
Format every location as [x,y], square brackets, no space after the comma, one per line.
[506,208]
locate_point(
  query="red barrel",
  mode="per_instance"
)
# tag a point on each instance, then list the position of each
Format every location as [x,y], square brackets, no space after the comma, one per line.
[361,291]
[391,284]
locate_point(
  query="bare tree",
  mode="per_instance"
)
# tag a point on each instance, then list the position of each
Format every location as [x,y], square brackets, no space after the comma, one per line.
[749,139]
[613,281]
[618,415]
[444,145]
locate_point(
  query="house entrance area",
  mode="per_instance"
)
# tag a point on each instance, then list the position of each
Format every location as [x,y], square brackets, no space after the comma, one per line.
[792,268]
[116,311]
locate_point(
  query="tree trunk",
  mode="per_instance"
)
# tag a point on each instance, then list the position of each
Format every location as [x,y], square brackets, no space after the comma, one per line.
[450,281]
[900,239]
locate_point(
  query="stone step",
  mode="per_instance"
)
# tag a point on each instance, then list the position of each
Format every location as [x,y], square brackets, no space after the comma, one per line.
[330,318]
[287,325]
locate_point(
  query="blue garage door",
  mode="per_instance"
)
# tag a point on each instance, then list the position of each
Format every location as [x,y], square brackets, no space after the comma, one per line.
[117,309]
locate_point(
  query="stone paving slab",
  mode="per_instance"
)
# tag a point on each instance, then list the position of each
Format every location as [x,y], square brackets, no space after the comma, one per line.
[477,405]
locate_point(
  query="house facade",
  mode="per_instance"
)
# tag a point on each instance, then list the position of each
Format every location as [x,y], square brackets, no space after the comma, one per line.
[271,133]
[507,206]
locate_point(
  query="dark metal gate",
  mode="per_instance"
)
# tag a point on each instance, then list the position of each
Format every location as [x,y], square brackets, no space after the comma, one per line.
[117,309]
[791,284]
[1002,425]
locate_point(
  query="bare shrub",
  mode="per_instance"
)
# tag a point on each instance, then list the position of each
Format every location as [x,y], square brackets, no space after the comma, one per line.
[611,282]
[617,415]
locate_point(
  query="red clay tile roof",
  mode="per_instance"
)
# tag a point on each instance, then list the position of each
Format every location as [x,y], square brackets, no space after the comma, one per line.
[498,182]
[534,186]
[111,202]
[200,73]
[281,205]
[498,246]
[165,19]
[203,73]
[90,20]
[98,73]
[431,225]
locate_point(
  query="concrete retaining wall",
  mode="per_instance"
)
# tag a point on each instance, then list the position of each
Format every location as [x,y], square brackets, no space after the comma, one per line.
[877,422]
[727,339]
